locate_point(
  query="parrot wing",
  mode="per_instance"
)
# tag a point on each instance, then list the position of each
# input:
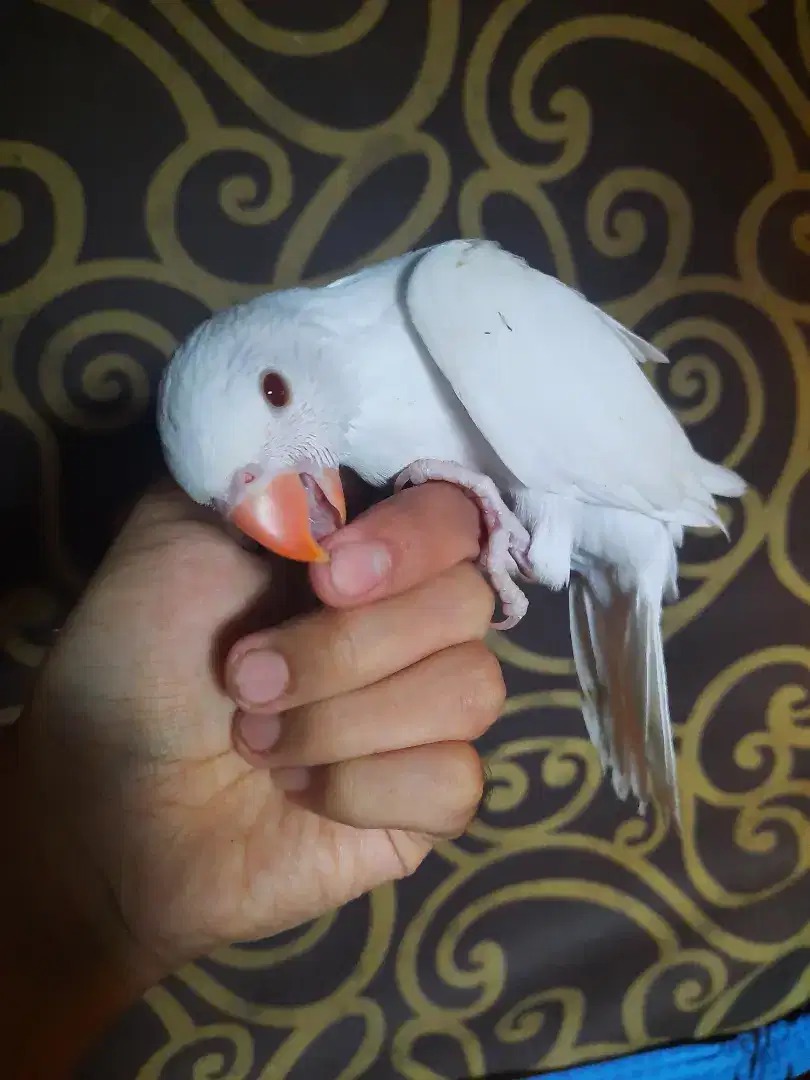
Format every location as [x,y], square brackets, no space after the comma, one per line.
[554,385]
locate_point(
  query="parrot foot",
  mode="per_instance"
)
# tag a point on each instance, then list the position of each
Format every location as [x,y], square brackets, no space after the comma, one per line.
[506,549]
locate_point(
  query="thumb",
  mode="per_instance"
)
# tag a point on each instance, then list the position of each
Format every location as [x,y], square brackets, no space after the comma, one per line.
[162,503]
[173,533]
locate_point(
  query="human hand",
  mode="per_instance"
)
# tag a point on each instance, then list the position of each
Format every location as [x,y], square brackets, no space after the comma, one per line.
[180,843]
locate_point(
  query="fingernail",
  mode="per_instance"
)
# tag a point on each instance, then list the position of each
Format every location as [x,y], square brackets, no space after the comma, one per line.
[261,677]
[259,733]
[357,568]
[290,779]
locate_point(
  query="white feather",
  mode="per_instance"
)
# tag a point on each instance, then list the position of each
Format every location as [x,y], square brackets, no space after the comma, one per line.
[554,386]
[463,353]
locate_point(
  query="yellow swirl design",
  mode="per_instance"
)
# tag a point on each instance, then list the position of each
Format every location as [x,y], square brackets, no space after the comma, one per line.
[294,42]
[536,129]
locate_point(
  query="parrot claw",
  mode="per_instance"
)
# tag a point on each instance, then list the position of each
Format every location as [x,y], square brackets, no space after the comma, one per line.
[506,549]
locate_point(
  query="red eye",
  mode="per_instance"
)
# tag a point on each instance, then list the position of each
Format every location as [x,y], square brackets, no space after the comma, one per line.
[275,389]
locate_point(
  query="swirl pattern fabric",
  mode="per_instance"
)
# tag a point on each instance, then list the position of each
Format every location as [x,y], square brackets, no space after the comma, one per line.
[159,160]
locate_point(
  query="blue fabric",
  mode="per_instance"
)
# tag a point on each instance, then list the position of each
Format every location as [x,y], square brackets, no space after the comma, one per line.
[777,1052]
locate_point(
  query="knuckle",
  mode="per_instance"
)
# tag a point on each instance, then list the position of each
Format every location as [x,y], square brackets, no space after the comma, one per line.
[410,851]
[476,604]
[455,513]
[464,786]
[434,525]
[344,649]
[442,502]
[177,556]
[483,687]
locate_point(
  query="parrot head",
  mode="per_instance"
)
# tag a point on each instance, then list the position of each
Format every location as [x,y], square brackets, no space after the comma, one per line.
[248,424]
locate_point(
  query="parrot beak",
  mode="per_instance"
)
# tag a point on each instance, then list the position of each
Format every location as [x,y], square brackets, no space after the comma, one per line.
[291,512]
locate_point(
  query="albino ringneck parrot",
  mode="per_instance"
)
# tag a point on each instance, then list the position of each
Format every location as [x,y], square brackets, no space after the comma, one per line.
[462,363]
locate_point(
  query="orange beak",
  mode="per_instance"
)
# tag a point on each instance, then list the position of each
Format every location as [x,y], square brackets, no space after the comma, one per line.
[286,517]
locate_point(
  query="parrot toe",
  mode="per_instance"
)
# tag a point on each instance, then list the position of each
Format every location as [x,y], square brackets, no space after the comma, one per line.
[505,548]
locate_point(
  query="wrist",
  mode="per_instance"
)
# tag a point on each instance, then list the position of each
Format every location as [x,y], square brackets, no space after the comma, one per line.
[67,965]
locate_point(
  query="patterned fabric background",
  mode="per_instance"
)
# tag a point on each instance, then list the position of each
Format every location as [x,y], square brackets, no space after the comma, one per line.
[160,160]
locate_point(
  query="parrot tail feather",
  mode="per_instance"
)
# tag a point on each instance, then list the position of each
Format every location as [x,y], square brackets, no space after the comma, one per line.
[721,481]
[643,352]
[619,657]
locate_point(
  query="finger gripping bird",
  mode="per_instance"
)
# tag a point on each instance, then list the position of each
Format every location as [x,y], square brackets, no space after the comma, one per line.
[462,363]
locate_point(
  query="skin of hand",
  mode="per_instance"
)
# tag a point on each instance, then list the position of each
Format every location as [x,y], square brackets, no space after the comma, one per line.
[152,822]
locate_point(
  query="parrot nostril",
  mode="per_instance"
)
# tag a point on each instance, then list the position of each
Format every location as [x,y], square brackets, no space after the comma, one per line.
[240,480]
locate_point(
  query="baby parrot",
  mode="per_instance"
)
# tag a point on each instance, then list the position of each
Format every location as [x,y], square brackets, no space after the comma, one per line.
[462,363]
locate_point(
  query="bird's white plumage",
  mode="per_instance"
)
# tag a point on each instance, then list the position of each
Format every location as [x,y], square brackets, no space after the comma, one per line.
[554,384]
[465,354]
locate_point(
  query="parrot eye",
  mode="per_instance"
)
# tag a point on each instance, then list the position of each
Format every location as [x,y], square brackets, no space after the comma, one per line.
[275,389]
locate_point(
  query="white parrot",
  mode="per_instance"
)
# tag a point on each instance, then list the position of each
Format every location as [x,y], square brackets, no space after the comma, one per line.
[462,363]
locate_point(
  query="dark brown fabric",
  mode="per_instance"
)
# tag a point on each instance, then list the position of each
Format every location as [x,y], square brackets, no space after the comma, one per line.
[161,160]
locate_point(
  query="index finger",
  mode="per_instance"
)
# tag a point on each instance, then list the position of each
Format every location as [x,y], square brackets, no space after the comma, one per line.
[397,544]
